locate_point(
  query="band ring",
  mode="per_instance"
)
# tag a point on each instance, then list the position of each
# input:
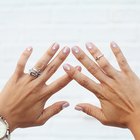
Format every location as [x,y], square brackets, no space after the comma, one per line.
[34,72]
[99,57]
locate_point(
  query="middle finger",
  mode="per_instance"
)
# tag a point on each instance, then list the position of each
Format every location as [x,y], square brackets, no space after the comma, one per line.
[54,65]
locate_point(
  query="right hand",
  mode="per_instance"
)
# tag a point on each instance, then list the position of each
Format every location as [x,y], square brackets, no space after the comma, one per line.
[117,91]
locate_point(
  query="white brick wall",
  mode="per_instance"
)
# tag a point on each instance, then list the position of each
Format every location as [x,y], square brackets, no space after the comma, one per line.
[69,22]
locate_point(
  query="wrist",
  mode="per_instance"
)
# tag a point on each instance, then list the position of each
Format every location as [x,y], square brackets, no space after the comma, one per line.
[7,118]
[4,129]
[9,123]
[134,127]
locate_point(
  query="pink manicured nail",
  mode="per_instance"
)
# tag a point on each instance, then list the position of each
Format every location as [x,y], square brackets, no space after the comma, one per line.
[89,46]
[78,68]
[29,49]
[75,49]
[66,67]
[78,108]
[55,47]
[114,45]
[66,50]
[65,105]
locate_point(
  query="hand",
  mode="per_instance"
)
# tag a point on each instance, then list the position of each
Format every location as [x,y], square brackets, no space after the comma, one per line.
[118,91]
[23,98]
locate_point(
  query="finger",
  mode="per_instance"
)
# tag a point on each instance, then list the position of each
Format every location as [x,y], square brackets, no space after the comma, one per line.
[22,61]
[51,111]
[124,66]
[54,65]
[101,60]
[93,111]
[90,65]
[45,59]
[57,85]
[83,80]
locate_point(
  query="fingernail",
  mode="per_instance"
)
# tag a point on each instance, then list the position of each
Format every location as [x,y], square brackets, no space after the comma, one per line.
[75,49]
[66,67]
[55,47]
[89,46]
[78,68]
[78,108]
[29,49]
[66,50]
[65,105]
[113,44]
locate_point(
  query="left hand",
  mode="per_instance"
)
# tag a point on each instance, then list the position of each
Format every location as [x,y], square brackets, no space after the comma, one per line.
[23,98]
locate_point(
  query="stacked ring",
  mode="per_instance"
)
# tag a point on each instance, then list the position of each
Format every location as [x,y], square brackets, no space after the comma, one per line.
[34,72]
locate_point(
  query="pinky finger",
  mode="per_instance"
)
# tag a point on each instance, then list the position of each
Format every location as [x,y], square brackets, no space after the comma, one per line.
[50,112]
[22,61]
[124,66]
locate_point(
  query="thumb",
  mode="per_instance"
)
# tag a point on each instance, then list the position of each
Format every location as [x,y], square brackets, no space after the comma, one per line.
[93,111]
[51,111]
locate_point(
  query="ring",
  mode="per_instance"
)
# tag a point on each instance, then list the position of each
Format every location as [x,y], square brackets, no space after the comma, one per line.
[99,57]
[34,72]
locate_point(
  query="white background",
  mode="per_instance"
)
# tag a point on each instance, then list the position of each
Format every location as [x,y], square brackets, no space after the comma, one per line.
[39,23]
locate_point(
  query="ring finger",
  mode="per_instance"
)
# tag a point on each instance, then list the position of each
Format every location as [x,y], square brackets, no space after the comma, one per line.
[44,60]
[101,60]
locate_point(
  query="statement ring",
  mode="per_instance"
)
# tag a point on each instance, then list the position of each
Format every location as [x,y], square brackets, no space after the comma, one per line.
[34,72]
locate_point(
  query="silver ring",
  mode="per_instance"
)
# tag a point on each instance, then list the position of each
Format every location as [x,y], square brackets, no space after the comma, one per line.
[34,72]
[99,57]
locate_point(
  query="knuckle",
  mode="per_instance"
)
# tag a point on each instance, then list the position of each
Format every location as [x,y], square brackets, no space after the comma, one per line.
[60,85]
[47,94]
[73,73]
[105,65]
[95,52]
[123,61]
[25,54]
[117,52]
[61,57]
[51,69]
[57,110]
[20,65]
[100,96]
[93,69]
[88,110]
[41,63]
[81,56]
[49,53]
[84,83]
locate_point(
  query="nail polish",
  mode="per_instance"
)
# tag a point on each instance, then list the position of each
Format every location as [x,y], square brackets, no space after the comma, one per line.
[66,67]
[89,46]
[78,108]
[29,49]
[65,105]
[66,50]
[114,45]
[78,68]
[55,46]
[75,49]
